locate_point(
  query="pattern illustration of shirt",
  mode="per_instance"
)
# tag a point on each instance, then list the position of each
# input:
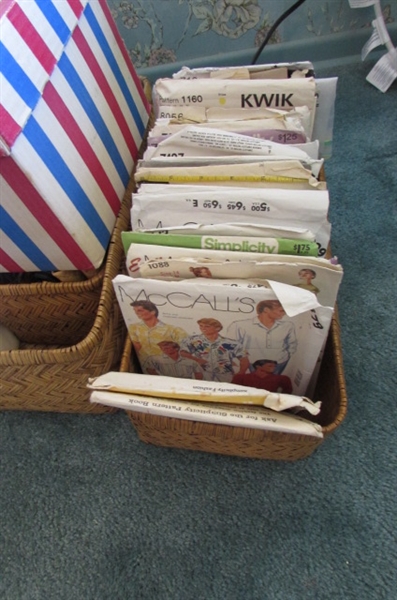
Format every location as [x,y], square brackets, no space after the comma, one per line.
[164,365]
[276,343]
[220,355]
[308,286]
[149,337]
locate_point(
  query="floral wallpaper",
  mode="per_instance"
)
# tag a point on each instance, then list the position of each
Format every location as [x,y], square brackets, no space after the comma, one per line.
[165,31]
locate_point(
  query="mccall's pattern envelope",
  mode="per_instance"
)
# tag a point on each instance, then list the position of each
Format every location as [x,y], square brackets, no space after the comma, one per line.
[226,330]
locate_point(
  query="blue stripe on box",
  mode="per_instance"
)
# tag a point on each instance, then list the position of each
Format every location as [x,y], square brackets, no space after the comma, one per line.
[65,178]
[89,106]
[47,7]
[96,28]
[23,242]
[18,79]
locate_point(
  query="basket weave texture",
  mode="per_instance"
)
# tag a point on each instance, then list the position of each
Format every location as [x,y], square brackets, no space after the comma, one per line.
[27,309]
[246,442]
[55,378]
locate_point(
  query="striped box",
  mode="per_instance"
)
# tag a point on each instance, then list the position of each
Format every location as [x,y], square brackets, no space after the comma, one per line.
[72,114]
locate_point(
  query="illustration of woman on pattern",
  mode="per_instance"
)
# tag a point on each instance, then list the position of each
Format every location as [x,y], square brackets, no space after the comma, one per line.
[217,355]
[307,276]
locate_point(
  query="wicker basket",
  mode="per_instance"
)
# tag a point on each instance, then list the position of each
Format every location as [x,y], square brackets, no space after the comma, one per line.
[37,377]
[27,309]
[245,442]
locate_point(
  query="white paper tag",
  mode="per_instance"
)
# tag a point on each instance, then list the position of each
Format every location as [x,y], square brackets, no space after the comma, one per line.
[373,42]
[380,26]
[384,72]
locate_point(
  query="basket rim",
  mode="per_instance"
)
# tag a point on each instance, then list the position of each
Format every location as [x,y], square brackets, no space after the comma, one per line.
[336,338]
[52,287]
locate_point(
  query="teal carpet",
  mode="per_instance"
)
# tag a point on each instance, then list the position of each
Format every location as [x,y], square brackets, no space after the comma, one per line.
[89,512]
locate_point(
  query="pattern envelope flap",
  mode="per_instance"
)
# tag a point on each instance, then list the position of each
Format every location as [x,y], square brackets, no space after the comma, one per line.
[33,36]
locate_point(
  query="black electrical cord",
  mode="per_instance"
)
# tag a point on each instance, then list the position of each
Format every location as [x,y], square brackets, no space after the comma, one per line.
[274,27]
